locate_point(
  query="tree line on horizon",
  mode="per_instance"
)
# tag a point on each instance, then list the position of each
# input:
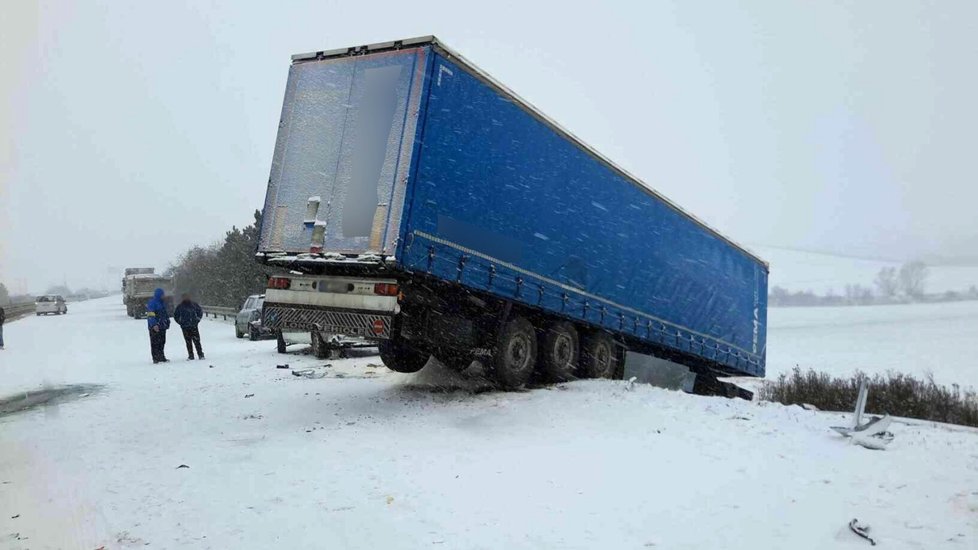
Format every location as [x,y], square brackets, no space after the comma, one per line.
[6,298]
[891,285]
[223,274]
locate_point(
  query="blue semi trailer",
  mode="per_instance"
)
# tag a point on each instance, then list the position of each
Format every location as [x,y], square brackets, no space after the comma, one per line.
[417,202]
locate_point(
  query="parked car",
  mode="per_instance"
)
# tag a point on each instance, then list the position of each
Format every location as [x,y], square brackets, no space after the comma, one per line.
[248,320]
[46,305]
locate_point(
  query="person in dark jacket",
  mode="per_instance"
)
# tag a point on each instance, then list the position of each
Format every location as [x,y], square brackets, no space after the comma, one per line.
[188,315]
[3,317]
[158,320]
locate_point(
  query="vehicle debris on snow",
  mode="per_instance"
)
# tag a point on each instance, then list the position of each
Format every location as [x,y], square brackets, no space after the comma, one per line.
[872,434]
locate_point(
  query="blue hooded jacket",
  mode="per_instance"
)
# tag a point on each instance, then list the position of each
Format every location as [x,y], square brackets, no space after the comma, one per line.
[156,313]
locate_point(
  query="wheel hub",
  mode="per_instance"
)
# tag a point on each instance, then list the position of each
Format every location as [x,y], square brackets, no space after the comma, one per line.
[562,350]
[518,352]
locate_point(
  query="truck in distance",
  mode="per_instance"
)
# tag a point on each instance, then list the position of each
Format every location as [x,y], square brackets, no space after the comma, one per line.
[416,202]
[138,285]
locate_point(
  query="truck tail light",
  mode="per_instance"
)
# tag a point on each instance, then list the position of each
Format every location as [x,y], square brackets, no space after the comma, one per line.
[281,283]
[385,289]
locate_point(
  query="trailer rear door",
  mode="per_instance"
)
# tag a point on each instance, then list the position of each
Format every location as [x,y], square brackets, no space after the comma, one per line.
[344,142]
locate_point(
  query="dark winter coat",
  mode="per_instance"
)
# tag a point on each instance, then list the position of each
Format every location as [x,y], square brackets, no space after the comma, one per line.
[188,314]
[156,313]
[3,316]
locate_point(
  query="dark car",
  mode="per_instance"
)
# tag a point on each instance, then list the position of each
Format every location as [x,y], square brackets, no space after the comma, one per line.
[248,320]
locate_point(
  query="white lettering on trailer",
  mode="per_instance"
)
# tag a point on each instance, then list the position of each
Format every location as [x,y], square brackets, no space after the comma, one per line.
[757,315]
[757,328]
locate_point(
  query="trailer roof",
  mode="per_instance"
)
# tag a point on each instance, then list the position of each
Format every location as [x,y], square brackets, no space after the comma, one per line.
[537,113]
[149,276]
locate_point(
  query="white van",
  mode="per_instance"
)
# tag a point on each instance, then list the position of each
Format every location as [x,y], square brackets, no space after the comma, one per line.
[45,305]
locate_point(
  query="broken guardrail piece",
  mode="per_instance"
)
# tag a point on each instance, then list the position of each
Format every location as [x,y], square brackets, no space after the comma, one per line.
[872,434]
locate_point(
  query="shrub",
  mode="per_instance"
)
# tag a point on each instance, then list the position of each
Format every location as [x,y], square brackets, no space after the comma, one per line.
[895,393]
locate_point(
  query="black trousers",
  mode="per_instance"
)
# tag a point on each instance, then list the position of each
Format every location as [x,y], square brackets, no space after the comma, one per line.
[157,340]
[192,337]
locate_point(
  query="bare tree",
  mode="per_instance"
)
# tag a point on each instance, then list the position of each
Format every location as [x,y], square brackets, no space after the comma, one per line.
[858,294]
[778,296]
[913,275]
[886,282]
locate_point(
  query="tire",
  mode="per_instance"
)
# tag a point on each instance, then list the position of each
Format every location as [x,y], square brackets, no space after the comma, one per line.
[598,358]
[280,344]
[515,354]
[399,357]
[559,352]
[238,333]
[253,334]
[319,349]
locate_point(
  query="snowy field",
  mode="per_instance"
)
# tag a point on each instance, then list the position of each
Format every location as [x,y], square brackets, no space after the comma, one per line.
[365,458]
[917,339]
[797,270]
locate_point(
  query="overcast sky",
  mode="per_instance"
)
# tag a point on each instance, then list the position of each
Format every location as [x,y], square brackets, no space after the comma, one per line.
[130,131]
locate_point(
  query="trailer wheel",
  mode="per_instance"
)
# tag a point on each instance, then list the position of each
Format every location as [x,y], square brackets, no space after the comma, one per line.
[515,354]
[280,344]
[559,345]
[319,350]
[598,358]
[399,357]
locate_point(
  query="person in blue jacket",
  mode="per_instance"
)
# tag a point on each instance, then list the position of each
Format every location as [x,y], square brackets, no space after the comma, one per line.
[188,314]
[158,319]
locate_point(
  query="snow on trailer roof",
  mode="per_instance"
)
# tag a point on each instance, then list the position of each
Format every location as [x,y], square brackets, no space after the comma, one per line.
[537,113]
[145,276]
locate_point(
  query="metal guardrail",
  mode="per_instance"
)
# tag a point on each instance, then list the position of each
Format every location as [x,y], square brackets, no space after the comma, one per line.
[218,311]
[16,311]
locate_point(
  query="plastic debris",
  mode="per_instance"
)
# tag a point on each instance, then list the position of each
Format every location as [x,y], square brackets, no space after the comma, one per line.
[872,434]
[310,373]
[861,530]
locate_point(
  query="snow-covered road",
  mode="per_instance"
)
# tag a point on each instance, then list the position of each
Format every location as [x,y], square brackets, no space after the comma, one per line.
[365,458]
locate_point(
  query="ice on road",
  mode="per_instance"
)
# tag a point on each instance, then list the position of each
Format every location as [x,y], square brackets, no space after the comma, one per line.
[365,458]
